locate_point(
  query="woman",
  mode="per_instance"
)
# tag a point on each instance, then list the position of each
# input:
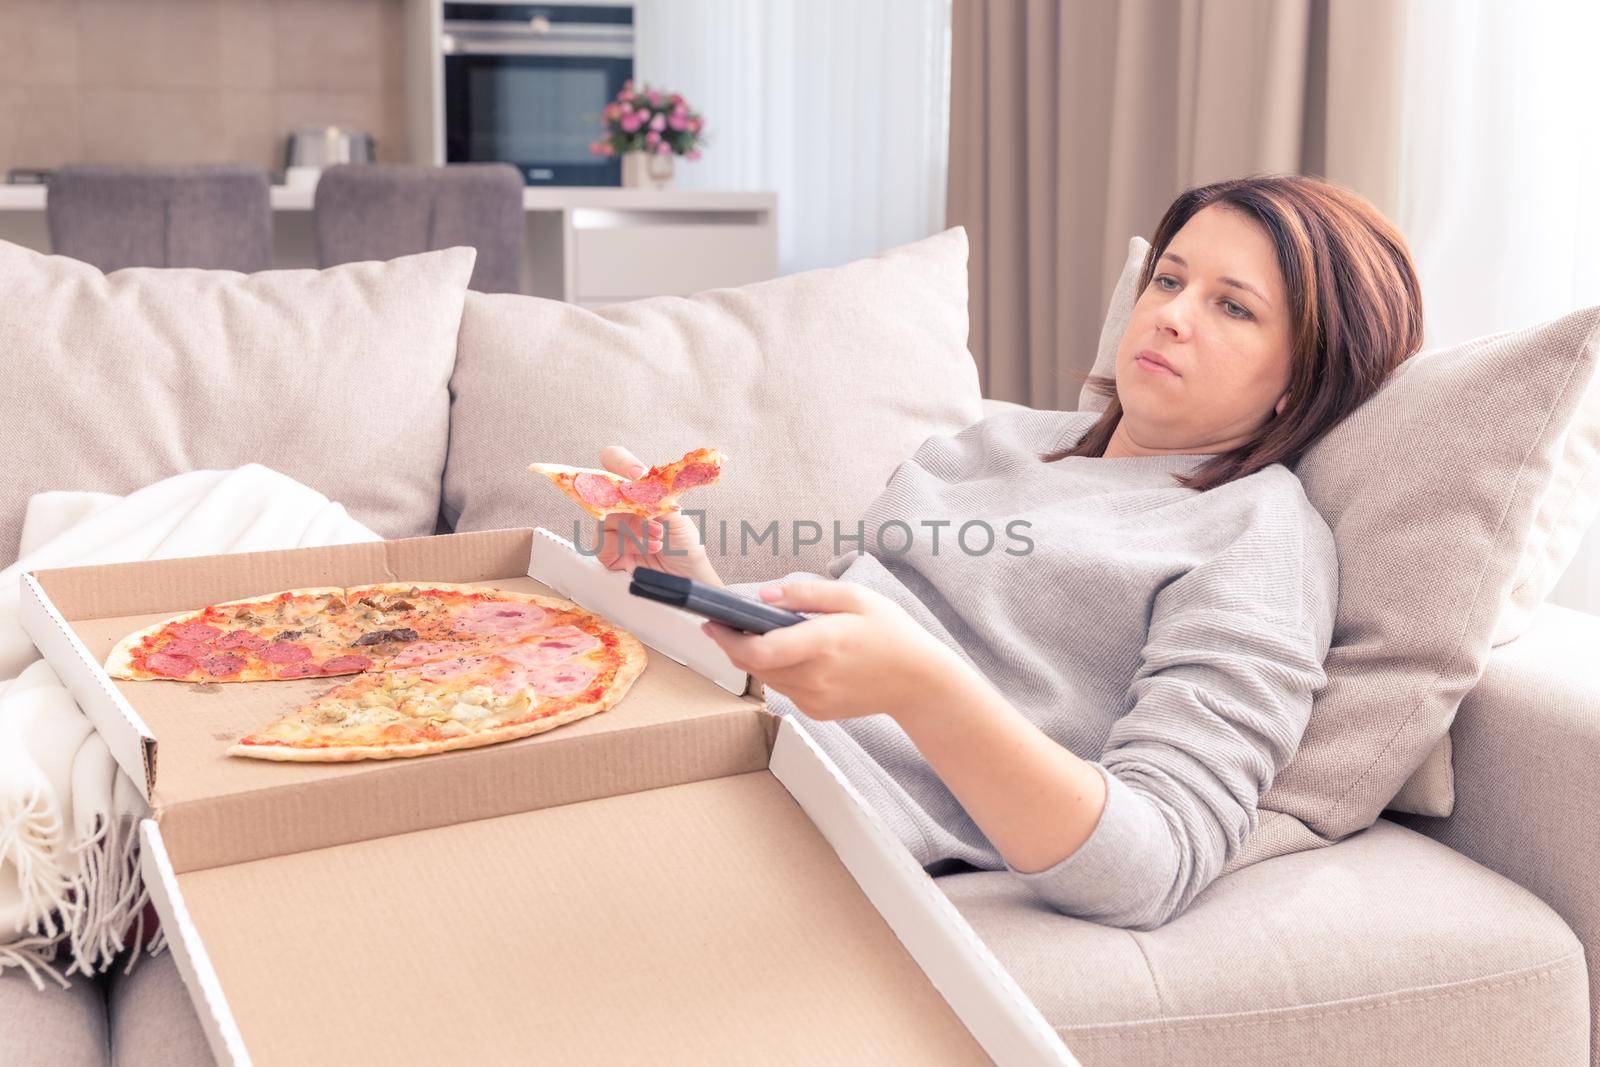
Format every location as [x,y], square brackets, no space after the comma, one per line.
[1100,713]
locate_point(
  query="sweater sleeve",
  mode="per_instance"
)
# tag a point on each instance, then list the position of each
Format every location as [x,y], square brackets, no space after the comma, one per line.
[1232,660]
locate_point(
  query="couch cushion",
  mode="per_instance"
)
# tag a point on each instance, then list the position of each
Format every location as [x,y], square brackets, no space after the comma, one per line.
[152,1018]
[338,378]
[1487,449]
[1386,941]
[51,1027]
[815,385]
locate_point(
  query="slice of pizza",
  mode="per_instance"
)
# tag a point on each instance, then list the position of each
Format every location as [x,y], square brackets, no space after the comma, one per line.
[542,681]
[298,633]
[654,493]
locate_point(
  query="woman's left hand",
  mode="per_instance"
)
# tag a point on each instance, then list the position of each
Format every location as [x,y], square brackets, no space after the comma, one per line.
[864,657]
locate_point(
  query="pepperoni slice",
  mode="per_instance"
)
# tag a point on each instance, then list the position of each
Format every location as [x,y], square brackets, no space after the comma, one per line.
[169,666]
[285,652]
[344,665]
[303,669]
[242,639]
[185,647]
[646,493]
[694,474]
[222,664]
[196,631]
[595,489]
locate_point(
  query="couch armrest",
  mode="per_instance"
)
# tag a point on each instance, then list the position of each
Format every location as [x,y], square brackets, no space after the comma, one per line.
[1527,769]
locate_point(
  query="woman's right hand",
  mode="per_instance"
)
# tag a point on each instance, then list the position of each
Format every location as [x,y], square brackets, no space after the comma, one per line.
[671,542]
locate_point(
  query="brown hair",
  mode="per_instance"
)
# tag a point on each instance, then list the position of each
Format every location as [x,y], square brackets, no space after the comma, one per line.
[1354,298]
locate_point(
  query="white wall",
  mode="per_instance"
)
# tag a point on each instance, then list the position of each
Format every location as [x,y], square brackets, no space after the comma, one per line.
[840,106]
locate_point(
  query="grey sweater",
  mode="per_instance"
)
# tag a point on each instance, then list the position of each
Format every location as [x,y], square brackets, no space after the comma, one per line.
[1173,638]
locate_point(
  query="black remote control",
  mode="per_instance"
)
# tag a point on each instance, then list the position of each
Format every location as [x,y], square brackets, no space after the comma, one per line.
[718,605]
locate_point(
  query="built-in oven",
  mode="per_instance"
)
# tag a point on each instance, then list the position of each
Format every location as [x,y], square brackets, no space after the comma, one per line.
[525,84]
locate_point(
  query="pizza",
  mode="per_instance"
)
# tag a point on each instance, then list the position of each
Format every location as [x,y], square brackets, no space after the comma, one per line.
[435,666]
[654,493]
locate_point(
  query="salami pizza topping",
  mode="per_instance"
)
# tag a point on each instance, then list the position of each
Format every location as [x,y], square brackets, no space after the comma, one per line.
[285,652]
[185,647]
[169,665]
[223,664]
[694,474]
[596,489]
[196,631]
[242,639]
[302,669]
[646,493]
[345,665]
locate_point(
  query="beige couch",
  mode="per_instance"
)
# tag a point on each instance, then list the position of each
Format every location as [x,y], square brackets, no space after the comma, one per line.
[1419,941]
[1423,941]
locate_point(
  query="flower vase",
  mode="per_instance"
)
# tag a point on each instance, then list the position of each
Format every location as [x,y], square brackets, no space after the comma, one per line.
[646,170]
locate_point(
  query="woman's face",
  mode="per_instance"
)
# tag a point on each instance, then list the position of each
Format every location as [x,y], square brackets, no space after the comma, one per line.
[1217,310]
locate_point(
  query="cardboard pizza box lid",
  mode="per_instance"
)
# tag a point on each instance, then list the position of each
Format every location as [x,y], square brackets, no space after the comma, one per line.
[684,864]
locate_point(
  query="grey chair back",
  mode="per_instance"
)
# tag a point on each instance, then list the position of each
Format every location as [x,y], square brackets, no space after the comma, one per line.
[383,210]
[217,216]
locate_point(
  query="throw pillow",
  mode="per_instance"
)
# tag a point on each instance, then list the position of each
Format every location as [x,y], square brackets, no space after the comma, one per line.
[815,385]
[338,378]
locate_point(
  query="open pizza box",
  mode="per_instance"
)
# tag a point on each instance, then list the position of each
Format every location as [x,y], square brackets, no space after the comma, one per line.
[684,878]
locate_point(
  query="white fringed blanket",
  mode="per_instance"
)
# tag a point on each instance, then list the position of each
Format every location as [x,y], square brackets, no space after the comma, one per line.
[70,894]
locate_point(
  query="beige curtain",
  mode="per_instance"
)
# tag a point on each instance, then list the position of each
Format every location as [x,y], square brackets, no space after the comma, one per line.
[1074,124]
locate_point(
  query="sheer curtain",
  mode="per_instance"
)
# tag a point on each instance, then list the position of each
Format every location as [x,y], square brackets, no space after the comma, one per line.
[1500,173]
[840,106]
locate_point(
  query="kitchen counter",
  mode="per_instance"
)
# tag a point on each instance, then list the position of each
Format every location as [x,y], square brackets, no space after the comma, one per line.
[589,245]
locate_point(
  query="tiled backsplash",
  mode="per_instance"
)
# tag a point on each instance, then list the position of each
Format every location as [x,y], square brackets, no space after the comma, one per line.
[194,81]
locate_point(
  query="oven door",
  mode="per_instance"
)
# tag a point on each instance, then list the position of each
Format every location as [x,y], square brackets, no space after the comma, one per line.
[520,102]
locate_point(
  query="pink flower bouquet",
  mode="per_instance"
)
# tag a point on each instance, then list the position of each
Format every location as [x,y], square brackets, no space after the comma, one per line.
[649,120]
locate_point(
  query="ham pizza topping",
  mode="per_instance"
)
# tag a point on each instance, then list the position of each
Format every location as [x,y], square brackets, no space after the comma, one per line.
[550,650]
[546,678]
[502,619]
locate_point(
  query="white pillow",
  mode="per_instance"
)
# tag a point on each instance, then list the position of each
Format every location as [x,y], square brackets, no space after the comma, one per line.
[815,385]
[338,378]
